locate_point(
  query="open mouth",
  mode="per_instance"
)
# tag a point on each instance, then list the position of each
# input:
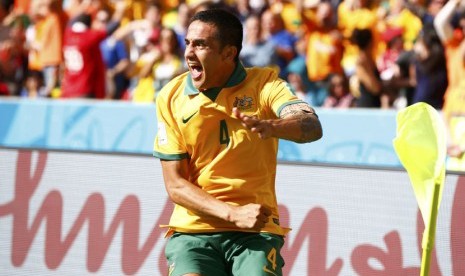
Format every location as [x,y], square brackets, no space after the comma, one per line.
[196,71]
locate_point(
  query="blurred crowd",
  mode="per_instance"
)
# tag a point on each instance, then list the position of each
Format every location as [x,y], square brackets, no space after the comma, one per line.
[334,53]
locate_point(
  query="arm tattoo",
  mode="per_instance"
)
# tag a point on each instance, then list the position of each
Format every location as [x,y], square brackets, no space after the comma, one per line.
[308,120]
[294,109]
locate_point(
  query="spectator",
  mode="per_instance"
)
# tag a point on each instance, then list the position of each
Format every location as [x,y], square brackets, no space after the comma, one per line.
[21,6]
[135,9]
[116,58]
[273,30]
[324,46]
[170,63]
[142,74]
[430,69]
[157,66]
[32,37]
[453,40]
[289,13]
[298,77]
[13,54]
[34,85]
[339,95]
[256,51]
[400,17]
[389,69]
[370,85]
[454,105]
[49,42]
[395,47]
[73,8]
[243,10]
[351,15]
[6,71]
[141,36]
[6,7]
[258,6]
[427,12]
[184,14]
[84,74]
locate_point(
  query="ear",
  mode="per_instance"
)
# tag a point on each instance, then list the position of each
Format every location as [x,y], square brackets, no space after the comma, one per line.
[229,52]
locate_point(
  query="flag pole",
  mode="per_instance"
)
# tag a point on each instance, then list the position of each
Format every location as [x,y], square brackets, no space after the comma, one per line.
[430,232]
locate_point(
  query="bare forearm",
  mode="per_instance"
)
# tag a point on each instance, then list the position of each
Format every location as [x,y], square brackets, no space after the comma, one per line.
[300,127]
[298,122]
[442,20]
[121,66]
[197,200]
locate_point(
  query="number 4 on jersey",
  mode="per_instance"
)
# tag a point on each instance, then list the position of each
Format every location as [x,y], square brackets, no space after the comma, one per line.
[224,133]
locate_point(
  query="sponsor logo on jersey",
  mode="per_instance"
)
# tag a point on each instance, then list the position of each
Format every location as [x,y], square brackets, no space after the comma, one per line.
[186,119]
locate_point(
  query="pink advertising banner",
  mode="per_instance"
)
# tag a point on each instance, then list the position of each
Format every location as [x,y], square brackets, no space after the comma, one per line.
[69,213]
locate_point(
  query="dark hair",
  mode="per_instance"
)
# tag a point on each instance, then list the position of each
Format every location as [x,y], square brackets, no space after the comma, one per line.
[345,81]
[177,45]
[84,18]
[362,37]
[6,5]
[35,74]
[229,27]
[436,58]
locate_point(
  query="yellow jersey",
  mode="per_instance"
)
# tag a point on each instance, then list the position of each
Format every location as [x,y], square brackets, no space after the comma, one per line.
[226,160]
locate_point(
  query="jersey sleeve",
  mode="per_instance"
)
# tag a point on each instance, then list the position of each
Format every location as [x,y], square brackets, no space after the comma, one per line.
[168,142]
[278,94]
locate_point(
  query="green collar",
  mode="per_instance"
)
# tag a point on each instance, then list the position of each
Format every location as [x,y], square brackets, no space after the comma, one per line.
[237,77]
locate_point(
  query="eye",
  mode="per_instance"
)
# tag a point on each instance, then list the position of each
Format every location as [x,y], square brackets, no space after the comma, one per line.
[200,45]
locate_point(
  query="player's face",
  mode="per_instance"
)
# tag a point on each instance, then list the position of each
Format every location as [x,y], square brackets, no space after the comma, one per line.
[204,56]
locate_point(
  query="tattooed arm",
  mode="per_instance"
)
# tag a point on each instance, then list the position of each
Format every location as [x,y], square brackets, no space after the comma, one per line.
[297,122]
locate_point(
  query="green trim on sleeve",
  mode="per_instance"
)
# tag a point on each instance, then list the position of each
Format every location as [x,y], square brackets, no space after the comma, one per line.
[278,113]
[170,156]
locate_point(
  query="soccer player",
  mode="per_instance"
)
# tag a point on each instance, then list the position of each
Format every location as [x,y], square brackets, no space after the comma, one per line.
[218,130]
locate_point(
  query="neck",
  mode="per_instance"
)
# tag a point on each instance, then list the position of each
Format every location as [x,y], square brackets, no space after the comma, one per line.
[228,70]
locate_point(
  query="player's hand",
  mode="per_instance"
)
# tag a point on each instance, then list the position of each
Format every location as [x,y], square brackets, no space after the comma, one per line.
[262,127]
[250,216]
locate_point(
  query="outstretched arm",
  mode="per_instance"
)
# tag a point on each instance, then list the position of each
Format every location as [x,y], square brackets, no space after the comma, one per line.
[298,122]
[193,198]
[442,20]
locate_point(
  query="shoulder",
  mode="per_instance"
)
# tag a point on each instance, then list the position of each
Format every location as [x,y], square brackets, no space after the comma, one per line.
[263,77]
[261,73]
[173,87]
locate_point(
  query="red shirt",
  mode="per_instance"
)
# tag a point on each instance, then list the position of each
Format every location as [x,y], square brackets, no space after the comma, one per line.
[84,67]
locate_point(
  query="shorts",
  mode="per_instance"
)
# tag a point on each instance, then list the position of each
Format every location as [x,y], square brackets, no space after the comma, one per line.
[225,254]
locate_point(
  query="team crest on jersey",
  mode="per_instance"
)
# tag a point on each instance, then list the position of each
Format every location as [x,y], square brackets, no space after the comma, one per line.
[243,103]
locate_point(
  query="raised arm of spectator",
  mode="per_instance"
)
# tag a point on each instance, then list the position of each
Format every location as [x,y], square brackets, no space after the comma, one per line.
[308,21]
[442,21]
[76,7]
[130,27]
[120,9]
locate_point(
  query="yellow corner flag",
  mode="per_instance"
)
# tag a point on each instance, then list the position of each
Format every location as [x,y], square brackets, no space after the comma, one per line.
[420,144]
